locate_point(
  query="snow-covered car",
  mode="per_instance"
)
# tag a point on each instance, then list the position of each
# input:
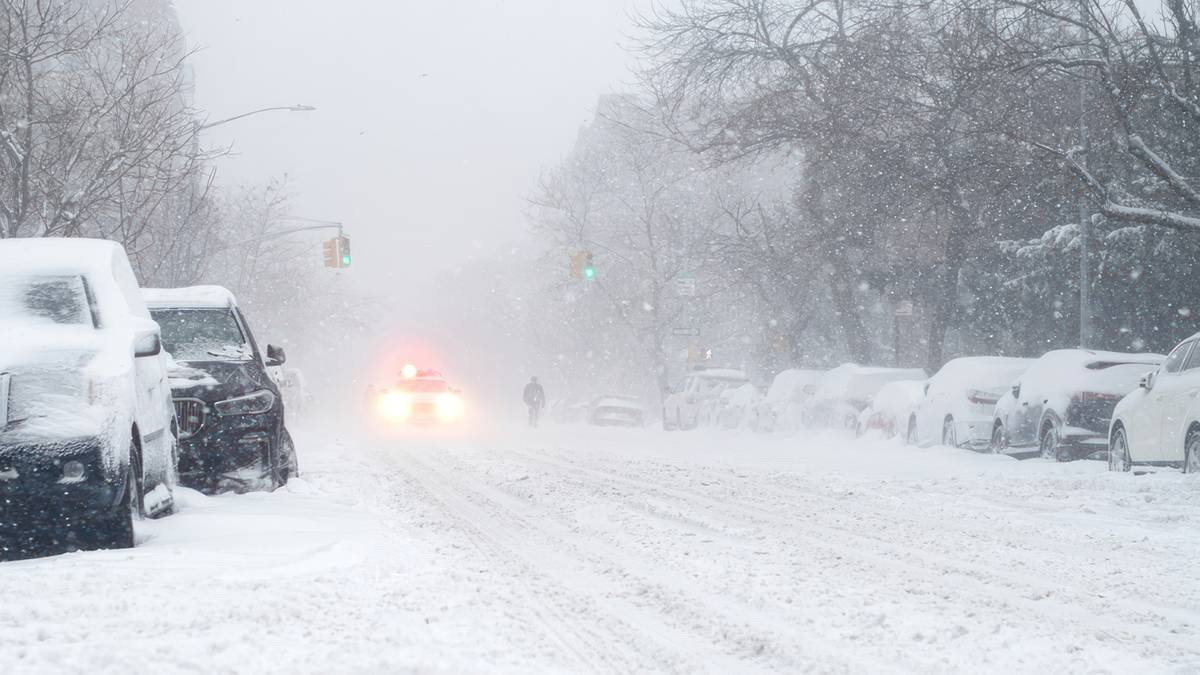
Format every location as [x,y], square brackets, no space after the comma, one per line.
[1159,422]
[86,425]
[1062,406]
[616,411]
[420,397]
[780,409]
[737,406]
[890,408]
[698,400]
[846,391]
[231,415]
[570,411]
[959,402]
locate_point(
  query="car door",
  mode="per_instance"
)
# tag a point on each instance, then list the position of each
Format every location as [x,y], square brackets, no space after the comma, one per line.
[1180,396]
[1019,425]
[1163,404]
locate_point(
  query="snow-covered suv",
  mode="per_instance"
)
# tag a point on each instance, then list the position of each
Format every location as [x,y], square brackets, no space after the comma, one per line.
[231,421]
[87,437]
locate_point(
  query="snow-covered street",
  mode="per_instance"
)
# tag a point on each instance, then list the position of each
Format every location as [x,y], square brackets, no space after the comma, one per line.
[582,550]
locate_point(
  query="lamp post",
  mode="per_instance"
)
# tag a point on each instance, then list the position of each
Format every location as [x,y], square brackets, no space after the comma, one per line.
[289,108]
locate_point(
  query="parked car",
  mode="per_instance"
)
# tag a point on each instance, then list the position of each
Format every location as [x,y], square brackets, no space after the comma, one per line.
[890,408]
[570,411]
[846,391]
[231,420]
[780,408]
[736,406]
[959,402]
[1159,422]
[1062,406]
[698,400]
[616,411]
[87,437]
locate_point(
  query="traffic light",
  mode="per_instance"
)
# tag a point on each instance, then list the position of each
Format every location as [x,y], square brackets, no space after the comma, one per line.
[344,251]
[589,269]
[582,267]
[330,247]
[337,252]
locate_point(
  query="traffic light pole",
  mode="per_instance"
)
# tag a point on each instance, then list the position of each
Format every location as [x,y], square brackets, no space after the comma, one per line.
[291,230]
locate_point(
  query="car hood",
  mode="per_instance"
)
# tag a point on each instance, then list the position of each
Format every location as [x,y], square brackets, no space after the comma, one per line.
[216,380]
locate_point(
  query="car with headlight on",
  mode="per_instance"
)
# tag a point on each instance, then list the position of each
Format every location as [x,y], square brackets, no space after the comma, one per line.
[229,409]
[87,435]
[419,397]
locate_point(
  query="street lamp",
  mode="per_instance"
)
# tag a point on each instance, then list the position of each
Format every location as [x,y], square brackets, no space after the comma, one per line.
[289,108]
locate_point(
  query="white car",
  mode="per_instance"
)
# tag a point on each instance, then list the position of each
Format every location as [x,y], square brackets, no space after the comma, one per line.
[87,427]
[698,400]
[959,403]
[1159,423]
[847,390]
[891,408]
[780,409]
[615,411]
[737,406]
[420,397]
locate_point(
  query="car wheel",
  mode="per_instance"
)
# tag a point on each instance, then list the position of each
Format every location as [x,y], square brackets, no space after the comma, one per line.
[1118,451]
[949,433]
[910,436]
[291,464]
[1048,442]
[1191,452]
[999,442]
[115,529]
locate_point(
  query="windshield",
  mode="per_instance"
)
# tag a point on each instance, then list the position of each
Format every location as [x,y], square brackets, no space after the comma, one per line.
[202,334]
[54,299]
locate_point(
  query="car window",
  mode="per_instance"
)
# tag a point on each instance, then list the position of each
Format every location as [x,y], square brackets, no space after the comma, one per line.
[1175,361]
[1193,361]
[59,299]
[202,334]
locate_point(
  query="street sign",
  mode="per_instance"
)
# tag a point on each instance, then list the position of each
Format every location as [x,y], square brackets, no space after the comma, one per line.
[685,287]
[904,308]
[686,331]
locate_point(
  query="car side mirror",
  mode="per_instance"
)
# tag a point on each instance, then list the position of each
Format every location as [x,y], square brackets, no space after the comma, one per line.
[275,356]
[1016,391]
[1147,382]
[146,344]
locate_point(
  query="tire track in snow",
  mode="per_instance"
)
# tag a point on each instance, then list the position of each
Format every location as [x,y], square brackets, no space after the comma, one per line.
[503,536]
[1053,603]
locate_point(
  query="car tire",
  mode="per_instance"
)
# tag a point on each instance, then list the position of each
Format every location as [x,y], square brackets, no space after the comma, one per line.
[1049,441]
[1118,451]
[115,529]
[286,465]
[999,442]
[1191,451]
[949,433]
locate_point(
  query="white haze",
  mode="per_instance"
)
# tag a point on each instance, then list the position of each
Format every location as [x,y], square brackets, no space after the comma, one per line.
[433,123]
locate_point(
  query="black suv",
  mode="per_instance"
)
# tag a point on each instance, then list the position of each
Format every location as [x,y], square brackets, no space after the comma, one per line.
[230,413]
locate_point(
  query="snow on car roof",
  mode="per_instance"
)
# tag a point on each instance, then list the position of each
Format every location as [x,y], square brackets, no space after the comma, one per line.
[1070,370]
[980,372]
[56,255]
[861,381]
[191,296]
[787,382]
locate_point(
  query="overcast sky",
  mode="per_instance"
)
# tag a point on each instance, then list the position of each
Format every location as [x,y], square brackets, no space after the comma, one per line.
[434,117]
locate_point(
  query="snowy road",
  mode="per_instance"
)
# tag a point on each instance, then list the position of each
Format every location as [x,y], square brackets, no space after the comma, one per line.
[579,550]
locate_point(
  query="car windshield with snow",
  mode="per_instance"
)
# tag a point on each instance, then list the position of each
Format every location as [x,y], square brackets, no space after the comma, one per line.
[230,412]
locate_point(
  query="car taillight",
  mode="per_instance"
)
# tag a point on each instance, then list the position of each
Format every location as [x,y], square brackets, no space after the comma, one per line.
[980,397]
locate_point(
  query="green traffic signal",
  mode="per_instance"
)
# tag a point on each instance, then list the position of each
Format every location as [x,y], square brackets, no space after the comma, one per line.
[589,273]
